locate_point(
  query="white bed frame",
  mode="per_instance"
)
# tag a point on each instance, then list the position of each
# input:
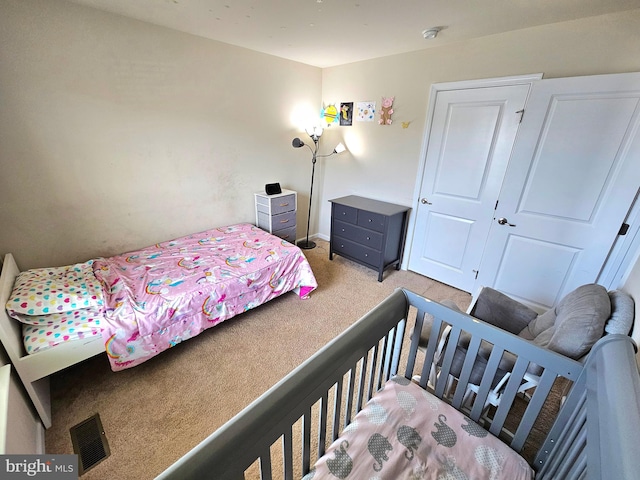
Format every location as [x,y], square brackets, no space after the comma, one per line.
[34,369]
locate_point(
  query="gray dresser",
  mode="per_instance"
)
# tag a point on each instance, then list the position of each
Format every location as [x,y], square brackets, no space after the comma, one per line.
[277,213]
[369,232]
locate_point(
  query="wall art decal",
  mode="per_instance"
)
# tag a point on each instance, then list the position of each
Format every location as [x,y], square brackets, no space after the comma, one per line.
[330,114]
[346,114]
[386,111]
[365,111]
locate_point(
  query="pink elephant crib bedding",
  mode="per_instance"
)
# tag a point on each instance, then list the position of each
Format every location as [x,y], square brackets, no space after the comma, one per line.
[147,301]
[406,432]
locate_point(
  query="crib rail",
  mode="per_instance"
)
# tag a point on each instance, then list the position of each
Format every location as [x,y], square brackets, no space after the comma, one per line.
[597,433]
[553,366]
[281,434]
[372,341]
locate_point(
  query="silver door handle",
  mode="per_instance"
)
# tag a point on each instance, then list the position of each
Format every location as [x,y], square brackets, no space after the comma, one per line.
[424,201]
[504,221]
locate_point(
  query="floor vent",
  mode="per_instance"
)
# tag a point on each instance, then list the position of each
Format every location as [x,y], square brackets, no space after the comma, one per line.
[89,443]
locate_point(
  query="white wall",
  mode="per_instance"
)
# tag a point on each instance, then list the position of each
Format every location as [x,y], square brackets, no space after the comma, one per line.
[632,286]
[116,134]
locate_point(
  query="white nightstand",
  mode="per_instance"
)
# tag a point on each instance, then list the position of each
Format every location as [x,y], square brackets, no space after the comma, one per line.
[277,213]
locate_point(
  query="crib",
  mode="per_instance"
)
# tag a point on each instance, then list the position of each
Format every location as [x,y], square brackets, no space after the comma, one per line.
[594,434]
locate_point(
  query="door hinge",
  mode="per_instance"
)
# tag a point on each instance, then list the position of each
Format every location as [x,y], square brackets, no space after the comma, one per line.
[521,112]
[476,272]
[623,229]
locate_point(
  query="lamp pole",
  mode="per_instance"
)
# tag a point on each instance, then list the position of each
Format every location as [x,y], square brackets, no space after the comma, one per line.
[306,244]
[297,143]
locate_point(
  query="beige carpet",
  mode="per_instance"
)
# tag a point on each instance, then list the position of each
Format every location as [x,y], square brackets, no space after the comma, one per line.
[154,413]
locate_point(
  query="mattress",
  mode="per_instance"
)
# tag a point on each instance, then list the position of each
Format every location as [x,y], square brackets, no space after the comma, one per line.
[406,432]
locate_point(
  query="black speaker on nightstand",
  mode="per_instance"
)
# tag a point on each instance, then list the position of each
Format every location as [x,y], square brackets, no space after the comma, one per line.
[272,188]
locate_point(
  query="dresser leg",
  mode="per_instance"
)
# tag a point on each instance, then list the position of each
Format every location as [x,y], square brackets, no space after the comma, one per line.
[380,275]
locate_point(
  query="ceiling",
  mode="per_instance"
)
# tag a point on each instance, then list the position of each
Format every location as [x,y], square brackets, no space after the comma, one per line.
[327,33]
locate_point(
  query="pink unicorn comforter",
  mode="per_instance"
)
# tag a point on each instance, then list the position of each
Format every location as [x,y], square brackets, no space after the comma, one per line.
[161,295]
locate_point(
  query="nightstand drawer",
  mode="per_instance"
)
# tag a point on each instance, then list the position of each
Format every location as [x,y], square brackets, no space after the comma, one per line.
[358,235]
[371,220]
[354,250]
[288,234]
[283,220]
[344,213]
[280,204]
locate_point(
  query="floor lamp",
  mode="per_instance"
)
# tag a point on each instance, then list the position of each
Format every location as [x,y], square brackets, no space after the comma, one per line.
[315,135]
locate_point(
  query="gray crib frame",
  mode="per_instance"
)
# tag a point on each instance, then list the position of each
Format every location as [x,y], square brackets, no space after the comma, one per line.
[596,433]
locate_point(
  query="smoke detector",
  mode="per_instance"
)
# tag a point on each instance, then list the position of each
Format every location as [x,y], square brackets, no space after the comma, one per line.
[430,33]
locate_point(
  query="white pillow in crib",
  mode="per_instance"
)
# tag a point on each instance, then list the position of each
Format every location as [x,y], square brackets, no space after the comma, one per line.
[73,316]
[44,291]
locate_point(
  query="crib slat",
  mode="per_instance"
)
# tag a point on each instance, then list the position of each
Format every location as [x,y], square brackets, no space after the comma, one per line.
[485,384]
[579,469]
[306,441]
[533,409]
[322,424]
[571,460]
[265,465]
[371,373]
[287,454]
[565,440]
[450,350]
[397,348]
[436,326]
[337,403]
[508,396]
[465,373]
[363,372]
[385,362]
[349,399]
[413,347]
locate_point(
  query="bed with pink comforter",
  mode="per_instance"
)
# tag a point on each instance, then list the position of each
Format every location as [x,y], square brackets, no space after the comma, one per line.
[164,294]
[146,301]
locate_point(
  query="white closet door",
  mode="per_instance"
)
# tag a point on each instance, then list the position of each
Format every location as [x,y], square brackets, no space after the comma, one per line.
[469,144]
[572,178]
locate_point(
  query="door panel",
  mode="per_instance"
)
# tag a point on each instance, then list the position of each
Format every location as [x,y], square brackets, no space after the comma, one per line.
[572,177]
[470,141]
[529,254]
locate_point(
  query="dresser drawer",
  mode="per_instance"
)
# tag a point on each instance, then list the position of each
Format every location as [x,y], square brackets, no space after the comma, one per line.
[364,254]
[280,204]
[371,220]
[358,235]
[345,214]
[288,234]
